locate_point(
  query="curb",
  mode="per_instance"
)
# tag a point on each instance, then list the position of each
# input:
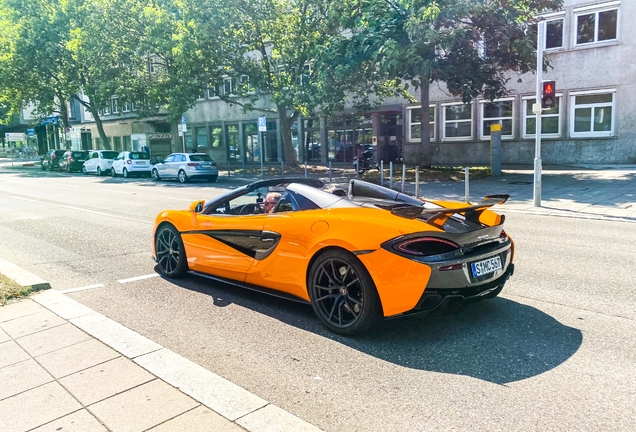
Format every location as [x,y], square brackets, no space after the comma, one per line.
[22,277]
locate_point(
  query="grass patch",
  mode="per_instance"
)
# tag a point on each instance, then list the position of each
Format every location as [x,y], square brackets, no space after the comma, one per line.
[9,290]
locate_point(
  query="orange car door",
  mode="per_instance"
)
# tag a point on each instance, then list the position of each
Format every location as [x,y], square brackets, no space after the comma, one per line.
[224,245]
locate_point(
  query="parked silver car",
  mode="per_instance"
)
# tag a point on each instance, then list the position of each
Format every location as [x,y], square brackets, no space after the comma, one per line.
[185,167]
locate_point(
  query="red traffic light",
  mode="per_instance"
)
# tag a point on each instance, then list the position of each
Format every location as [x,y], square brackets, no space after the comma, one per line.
[548,99]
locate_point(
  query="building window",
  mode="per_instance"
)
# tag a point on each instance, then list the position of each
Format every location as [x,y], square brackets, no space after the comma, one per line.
[598,26]
[114,105]
[593,114]
[107,109]
[228,88]
[554,34]
[550,119]
[458,121]
[216,136]
[414,116]
[202,136]
[497,112]
[125,107]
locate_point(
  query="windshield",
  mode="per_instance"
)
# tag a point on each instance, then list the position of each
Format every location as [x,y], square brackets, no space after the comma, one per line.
[80,155]
[200,158]
[109,154]
[139,156]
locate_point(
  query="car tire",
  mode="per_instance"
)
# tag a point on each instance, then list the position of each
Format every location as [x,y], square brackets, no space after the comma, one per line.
[343,294]
[43,167]
[213,178]
[112,172]
[99,171]
[182,176]
[125,173]
[171,257]
[155,175]
[84,171]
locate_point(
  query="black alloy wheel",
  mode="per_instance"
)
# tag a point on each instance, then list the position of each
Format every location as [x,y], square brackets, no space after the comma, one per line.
[170,252]
[343,294]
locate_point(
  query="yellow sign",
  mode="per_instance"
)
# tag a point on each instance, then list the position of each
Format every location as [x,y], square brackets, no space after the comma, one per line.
[495,128]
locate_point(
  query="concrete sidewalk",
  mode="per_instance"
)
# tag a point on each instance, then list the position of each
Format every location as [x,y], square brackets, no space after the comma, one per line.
[66,367]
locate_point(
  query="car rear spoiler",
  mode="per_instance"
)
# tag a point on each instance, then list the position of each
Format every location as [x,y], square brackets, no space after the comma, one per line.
[439,216]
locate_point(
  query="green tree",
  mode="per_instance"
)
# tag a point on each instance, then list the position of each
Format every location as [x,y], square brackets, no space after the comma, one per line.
[469,45]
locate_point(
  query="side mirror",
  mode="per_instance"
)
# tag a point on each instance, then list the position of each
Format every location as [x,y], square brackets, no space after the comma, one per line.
[197,206]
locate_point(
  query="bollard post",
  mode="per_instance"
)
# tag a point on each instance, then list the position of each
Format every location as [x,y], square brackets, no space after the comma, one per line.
[417,182]
[305,169]
[330,172]
[466,185]
[390,175]
[403,175]
[382,173]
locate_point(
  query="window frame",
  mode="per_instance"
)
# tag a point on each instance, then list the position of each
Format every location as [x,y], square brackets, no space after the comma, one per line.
[596,10]
[410,123]
[482,118]
[560,16]
[444,122]
[574,106]
[525,114]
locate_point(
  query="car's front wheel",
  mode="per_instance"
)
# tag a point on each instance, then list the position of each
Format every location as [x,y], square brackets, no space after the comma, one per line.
[84,171]
[183,177]
[343,294]
[155,175]
[170,252]
[99,171]
[125,173]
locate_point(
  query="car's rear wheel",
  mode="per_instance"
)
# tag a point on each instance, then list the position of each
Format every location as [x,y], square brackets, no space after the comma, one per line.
[99,171]
[43,167]
[213,178]
[171,257]
[125,173]
[343,294]
[155,175]
[183,178]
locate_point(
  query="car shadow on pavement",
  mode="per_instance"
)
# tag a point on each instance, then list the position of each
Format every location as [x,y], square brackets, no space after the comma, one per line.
[498,340]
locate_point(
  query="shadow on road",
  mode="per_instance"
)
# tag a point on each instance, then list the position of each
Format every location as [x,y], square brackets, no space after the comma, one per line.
[498,341]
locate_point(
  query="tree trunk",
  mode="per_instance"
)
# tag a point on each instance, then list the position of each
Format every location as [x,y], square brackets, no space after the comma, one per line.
[289,155]
[425,127]
[100,128]
[64,112]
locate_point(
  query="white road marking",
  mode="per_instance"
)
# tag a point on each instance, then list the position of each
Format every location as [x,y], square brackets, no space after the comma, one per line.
[70,290]
[87,211]
[62,184]
[116,191]
[133,279]
[25,199]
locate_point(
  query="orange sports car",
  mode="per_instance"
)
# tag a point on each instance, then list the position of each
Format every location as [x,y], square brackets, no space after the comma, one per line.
[357,256]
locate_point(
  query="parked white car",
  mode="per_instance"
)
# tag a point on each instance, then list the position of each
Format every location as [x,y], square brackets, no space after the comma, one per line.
[128,163]
[186,166]
[99,162]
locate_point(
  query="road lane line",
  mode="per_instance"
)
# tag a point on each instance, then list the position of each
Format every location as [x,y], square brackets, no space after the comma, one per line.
[62,184]
[87,211]
[133,279]
[121,192]
[70,290]
[25,199]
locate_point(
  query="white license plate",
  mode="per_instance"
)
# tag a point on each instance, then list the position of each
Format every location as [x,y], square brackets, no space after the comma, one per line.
[206,166]
[485,267]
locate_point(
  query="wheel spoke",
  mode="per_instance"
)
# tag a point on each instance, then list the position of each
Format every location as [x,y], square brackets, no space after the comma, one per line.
[352,282]
[328,296]
[333,282]
[333,308]
[356,301]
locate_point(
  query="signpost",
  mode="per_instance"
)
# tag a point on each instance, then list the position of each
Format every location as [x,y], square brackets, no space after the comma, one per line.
[182,130]
[537,111]
[262,127]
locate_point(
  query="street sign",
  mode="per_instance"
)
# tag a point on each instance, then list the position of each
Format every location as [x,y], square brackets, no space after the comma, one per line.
[14,136]
[262,124]
[183,119]
[31,132]
[184,127]
[180,129]
[50,120]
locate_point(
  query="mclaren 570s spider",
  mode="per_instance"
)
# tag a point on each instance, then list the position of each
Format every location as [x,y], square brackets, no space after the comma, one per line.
[357,255]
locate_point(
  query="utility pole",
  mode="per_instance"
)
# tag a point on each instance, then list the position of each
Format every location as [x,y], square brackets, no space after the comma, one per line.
[536,108]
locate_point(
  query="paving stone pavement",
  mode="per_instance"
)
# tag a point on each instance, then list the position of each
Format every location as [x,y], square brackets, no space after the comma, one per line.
[65,367]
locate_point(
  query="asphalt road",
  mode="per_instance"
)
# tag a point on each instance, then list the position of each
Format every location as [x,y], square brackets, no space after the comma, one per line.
[556,351]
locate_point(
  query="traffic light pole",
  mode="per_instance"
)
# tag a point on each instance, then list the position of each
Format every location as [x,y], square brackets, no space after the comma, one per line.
[537,111]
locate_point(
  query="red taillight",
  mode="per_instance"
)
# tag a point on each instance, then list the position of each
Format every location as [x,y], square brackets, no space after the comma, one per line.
[128,161]
[503,235]
[53,156]
[426,246]
[193,164]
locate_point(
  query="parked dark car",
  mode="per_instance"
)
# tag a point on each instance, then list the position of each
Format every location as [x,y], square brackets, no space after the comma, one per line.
[51,159]
[73,160]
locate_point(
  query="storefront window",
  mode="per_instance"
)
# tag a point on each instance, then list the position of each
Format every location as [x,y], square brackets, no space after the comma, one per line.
[202,137]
